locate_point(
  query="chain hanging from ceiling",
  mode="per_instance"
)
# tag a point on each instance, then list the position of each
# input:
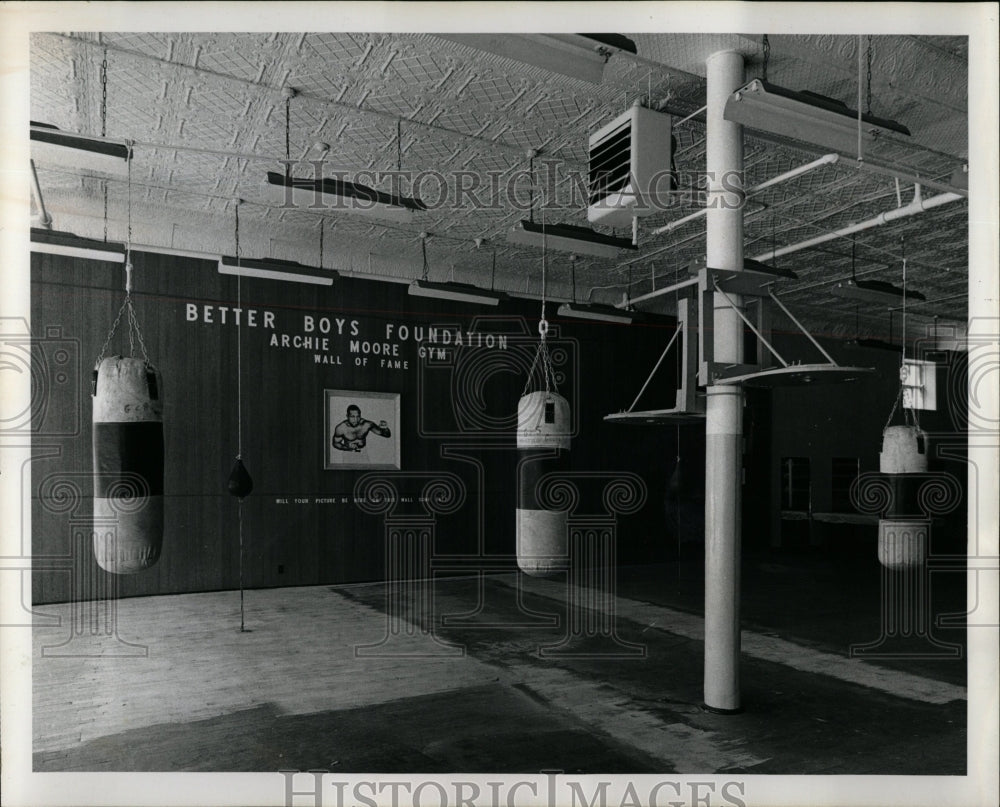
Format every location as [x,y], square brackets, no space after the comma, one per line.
[104,131]
[542,356]
[869,84]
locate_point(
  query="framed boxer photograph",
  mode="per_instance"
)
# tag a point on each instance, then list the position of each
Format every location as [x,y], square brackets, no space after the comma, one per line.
[361,430]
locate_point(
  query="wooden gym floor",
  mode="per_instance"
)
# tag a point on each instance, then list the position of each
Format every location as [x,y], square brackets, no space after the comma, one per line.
[182,689]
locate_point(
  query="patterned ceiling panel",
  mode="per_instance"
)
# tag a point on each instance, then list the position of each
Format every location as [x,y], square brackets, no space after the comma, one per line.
[423,71]
[461,109]
[158,46]
[338,50]
[309,81]
[234,55]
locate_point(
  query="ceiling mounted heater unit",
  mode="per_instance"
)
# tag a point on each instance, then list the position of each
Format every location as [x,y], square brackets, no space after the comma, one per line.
[630,168]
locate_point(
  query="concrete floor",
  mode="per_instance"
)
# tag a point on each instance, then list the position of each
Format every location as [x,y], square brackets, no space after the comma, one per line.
[504,684]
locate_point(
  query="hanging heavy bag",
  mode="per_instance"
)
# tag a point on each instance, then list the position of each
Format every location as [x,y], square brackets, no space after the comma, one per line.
[128,464]
[543,441]
[903,530]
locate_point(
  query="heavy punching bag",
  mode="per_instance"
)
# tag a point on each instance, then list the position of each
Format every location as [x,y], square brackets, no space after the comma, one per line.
[902,533]
[128,464]
[543,429]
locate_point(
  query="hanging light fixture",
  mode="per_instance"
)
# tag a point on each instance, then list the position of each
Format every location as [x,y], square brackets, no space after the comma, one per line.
[53,242]
[580,56]
[808,116]
[873,291]
[51,146]
[805,116]
[340,195]
[272,268]
[336,193]
[570,238]
[596,312]
[591,311]
[456,292]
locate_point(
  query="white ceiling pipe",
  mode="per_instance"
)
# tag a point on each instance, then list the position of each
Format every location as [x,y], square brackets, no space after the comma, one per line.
[826,159]
[917,205]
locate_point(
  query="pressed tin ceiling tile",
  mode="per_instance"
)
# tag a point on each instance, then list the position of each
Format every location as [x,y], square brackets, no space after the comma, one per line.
[459,109]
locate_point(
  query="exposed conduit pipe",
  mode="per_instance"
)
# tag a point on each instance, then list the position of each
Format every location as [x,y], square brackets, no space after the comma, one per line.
[826,159]
[43,215]
[917,205]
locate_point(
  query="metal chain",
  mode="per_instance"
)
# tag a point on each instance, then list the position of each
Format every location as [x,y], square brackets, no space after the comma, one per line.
[239,351]
[288,126]
[134,331]
[132,325]
[423,252]
[128,242]
[909,416]
[767,57]
[321,243]
[111,333]
[531,371]
[902,251]
[542,330]
[895,406]
[531,187]
[104,95]
[548,371]
[869,74]
[104,130]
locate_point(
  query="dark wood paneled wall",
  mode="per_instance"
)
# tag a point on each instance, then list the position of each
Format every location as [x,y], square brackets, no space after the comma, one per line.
[74,303]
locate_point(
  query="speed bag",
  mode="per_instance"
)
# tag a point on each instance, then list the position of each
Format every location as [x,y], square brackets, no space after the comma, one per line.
[128,465]
[543,432]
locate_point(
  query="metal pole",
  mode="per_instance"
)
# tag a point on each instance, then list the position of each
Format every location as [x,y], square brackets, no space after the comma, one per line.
[724,403]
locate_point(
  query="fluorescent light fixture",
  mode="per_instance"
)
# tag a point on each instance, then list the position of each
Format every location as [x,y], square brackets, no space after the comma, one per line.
[50,146]
[53,242]
[804,116]
[272,269]
[875,291]
[594,311]
[579,56]
[457,292]
[328,193]
[568,238]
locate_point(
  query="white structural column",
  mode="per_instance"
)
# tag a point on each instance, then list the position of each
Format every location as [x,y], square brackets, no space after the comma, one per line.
[724,406]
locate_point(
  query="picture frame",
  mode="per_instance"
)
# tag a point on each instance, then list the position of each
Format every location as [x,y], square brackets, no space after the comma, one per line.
[361,430]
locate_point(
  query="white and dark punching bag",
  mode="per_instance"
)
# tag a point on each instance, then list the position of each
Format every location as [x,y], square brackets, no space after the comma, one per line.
[543,430]
[902,533]
[128,464]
